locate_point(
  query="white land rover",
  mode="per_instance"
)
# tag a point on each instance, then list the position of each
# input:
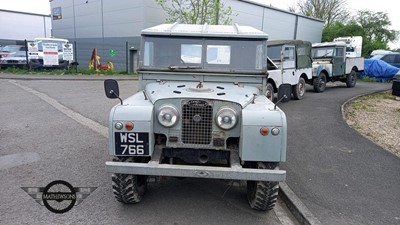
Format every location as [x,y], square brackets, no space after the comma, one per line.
[201,112]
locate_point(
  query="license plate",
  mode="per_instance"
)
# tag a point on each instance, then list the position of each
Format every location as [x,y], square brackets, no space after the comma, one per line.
[130,143]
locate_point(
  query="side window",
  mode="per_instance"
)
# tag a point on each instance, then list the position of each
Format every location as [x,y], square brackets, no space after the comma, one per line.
[301,51]
[288,53]
[260,62]
[148,53]
[397,59]
[389,58]
[339,52]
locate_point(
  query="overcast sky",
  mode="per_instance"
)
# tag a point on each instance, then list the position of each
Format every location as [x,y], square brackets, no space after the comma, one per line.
[388,6]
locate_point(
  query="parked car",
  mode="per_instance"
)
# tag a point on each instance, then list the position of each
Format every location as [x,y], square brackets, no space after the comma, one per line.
[291,64]
[330,63]
[15,56]
[201,112]
[392,58]
[37,53]
[396,76]
[2,52]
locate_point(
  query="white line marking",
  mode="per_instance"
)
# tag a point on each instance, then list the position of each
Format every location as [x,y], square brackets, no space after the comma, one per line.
[65,110]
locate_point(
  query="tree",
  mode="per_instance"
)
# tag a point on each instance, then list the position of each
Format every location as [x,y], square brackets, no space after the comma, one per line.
[372,26]
[196,11]
[376,26]
[339,29]
[328,10]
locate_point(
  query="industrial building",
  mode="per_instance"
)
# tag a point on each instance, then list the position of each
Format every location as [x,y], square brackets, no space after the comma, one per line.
[15,27]
[113,26]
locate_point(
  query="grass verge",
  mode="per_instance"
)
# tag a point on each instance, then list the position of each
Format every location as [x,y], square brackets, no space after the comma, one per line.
[377,117]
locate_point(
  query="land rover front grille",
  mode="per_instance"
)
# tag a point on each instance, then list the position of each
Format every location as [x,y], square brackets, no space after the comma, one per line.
[197,122]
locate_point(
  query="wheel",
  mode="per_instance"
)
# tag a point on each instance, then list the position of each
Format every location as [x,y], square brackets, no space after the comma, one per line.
[269,92]
[351,79]
[319,83]
[262,195]
[300,89]
[128,188]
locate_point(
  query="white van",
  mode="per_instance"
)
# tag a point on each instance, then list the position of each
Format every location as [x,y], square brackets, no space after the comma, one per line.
[50,52]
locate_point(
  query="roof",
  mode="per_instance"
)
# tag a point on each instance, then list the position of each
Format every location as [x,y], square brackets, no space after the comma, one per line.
[50,39]
[287,42]
[329,44]
[26,13]
[281,10]
[231,31]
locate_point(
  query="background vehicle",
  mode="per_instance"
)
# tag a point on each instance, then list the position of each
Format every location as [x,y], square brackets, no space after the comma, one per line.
[15,56]
[36,53]
[392,58]
[331,64]
[353,45]
[3,52]
[379,52]
[200,112]
[292,65]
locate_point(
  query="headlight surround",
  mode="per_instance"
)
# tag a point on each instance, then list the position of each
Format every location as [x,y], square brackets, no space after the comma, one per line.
[226,118]
[168,115]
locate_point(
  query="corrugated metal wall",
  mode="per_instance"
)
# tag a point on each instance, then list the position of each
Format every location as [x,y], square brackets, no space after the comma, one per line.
[107,24]
[21,26]
[277,23]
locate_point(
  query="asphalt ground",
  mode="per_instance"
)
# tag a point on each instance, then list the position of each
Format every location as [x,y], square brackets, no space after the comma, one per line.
[43,138]
[342,177]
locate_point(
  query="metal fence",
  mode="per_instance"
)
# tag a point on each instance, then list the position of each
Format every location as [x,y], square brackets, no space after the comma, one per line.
[121,52]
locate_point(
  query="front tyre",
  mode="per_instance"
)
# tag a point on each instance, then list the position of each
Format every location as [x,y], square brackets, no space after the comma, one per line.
[351,79]
[128,188]
[269,93]
[262,195]
[319,83]
[300,89]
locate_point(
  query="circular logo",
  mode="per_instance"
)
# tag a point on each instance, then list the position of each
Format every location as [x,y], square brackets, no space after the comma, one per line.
[59,196]
[197,118]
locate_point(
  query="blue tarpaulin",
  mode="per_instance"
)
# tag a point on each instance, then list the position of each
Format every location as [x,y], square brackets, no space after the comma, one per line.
[378,69]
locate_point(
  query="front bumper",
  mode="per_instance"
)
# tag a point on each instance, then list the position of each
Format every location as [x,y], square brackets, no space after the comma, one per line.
[37,64]
[13,63]
[234,172]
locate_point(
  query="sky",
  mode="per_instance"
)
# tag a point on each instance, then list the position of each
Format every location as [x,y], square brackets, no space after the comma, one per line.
[354,6]
[43,7]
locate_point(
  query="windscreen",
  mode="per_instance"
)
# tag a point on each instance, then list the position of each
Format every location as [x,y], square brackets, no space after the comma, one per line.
[274,52]
[13,48]
[210,54]
[59,44]
[323,52]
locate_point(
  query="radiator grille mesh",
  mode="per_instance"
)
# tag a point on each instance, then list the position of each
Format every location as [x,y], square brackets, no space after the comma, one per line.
[197,124]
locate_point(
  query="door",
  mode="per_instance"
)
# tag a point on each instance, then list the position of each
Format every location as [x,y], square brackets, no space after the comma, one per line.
[289,65]
[338,63]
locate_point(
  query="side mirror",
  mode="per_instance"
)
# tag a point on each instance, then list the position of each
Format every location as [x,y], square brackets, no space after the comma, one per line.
[284,90]
[111,88]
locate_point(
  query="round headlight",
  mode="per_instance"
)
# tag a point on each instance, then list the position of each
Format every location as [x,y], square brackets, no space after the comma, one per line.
[226,118]
[168,115]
